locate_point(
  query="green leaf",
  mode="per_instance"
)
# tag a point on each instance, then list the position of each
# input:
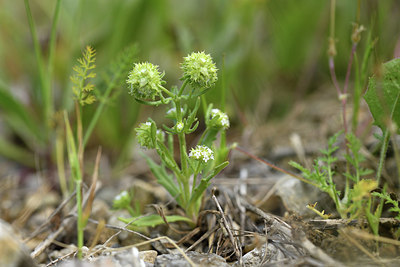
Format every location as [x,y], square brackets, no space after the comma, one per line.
[205,183]
[153,220]
[163,178]
[22,120]
[383,94]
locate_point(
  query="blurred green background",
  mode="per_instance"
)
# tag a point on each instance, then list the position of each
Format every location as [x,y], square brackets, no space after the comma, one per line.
[274,53]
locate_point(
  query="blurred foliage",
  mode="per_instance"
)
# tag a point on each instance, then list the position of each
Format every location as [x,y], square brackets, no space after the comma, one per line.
[272,49]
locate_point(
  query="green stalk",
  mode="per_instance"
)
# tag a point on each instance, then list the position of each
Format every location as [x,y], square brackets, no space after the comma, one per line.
[195,176]
[223,85]
[396,154]
[77,175]
[52,47]
[357,95]
[44,82]
[382,156]
[334,195]
[60,163]
[78,183]
[98,112]
[183,87]
[182,146]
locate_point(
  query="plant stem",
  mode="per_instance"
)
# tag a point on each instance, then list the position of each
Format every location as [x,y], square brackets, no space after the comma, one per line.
[77,177]
[183,87]
[396,155]
[52,47]
[98,112]
[182,149]
[78,183]
[223,84]
[184,167]
[44,84]
[382,156]
[195,176]
[60,163]
[334,195]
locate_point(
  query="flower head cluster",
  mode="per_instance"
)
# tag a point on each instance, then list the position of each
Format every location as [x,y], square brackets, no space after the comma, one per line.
[144,138]
[199,69]
[202,153]
[222,120]
[122,200]
[144,81]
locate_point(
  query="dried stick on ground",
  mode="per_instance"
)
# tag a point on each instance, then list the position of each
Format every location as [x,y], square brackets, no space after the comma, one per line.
[234,241]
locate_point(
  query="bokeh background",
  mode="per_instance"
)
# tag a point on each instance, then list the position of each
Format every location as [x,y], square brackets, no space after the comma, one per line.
[270,53]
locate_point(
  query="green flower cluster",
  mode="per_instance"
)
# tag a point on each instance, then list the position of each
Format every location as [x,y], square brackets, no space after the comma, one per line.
[199,69]
[144,81]
[219,119]
[144,135]
[202,153]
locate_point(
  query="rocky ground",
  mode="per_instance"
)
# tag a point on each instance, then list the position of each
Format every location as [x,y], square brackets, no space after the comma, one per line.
[252,215]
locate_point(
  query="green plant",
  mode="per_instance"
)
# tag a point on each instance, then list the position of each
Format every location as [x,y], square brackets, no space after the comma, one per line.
[355,200]
[384,196]
[382,98]
[146,86]
[83,95]
[388,200]
[124,201]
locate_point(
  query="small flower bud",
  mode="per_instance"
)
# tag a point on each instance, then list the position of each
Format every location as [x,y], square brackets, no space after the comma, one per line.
[202,153]
[199,69]
[222,120]
[179,126]
[122,200]
[144,81]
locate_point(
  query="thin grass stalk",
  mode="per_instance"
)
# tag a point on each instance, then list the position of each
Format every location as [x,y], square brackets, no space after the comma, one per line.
[77,176]
[332,54]
[358,84]
[60,163]
[44,83]
[52,48]
[98,112]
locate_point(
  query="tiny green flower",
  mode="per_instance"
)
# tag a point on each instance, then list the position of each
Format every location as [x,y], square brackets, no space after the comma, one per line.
[202,153]
[122,200]
[222,120]
[199,69]
[145,81]
[179,126]
[143,135]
